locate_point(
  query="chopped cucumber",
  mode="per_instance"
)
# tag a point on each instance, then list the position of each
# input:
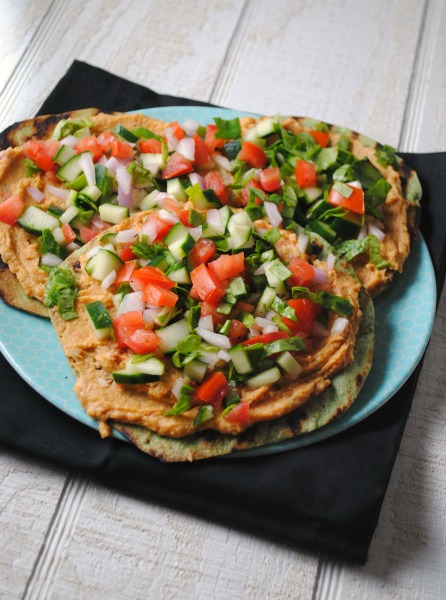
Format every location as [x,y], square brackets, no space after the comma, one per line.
[68,215]
[266,378]
[151,366]
[113,213]
[180,275]
[289,364]
[153,163]
[100,319]
[175,188]
[105,261]
[240,359]
[63,154]
[265,301]
[132,377]
[125,134]
[149,201]
[195,369]
[171,335]
[265,127]
[92,192]
[179,241]
[71,169]
[35,220]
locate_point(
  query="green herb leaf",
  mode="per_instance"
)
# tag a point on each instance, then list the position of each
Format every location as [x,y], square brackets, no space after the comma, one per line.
[385,155]
[184,401]
[377,194]
[30,167]
[49,244]
[61,291]
[352,248]
[326,299]
[228,130]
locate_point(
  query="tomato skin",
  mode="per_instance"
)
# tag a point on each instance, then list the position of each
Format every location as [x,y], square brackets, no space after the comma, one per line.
[125,273]
[241,306]
[306,312]
[203,251]
[355,202]
[112,146]
[303,272]
[305,174]
[91,144]
[158,295]
[227,266]
[237,332]
[320,137]
[143,341]
[208,309]
[177,165]
[178,131]
[125,326]
[210,140]
[270,179]
[154,276]
[214,182]
[266,338]
[239,414]
[162,227]
[213,389]
[42,152]
[126,252]
[11,209]
[87,233]
[253,155]
[202,155]
[69,234]
[206,284]
[150,146]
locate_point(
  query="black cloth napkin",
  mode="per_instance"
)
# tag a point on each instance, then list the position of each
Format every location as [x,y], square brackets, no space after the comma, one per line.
[325,497]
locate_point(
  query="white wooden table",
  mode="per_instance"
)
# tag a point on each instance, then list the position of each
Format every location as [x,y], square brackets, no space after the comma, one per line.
[375,66]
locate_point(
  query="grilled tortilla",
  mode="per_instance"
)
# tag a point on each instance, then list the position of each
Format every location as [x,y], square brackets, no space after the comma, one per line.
[327,369]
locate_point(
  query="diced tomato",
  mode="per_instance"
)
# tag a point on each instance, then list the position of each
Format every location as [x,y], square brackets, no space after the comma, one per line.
[306,312]
[126,252]
[305,174]
[253,155]
[112,146]
[213,389]
[153,275]
[355,202]
[239,414]
[266,338]
[211,141]
[87,233]
[184,218]
[202,154]
[253,183]
[237,332]
[321,137]
[244,307]
[150,146]
[270,179]
[158,295]
[177,165]
[11,209]
[303,272]
[227,266]
[125,273]
[203,251]
[207,285]
[178,131]
[162,227]
[68,233]
[208,309]
[125,326]
[194,294]
[42,152]
[97,223]
[214,182]
[91,144]
[143,341]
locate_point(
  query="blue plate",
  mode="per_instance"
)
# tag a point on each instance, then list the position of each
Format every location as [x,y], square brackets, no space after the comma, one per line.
[404,319]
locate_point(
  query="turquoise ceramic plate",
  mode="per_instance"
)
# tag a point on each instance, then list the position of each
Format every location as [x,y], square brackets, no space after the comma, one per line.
[404,320]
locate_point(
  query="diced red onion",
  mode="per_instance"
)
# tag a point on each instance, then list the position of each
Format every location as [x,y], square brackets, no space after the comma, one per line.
[320,276]
[273,214]
[339,325]
[50,260]
[260,270]
[108,280]
[216,339]
[57,191]
[186,147]
[261,230]
[356,184]
[176,388]
[150,314]
[223,355]
[102,161]
[124,179]
[302,242]
[92,252]
[134,301]
[35,194]
[190,127]
[112,164]
[196,232]
[261,322]
[125,198]
[168,216]
[172,141]
[213,217]
[319,330]
[195,178]
[127,235]
[206,323]
[271,328]
[270,314]
[222,161]
[150,230]
[210,358]
[87,166]
[373,230]
[97,222]
[254,331]
[331,259]
[72,247]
